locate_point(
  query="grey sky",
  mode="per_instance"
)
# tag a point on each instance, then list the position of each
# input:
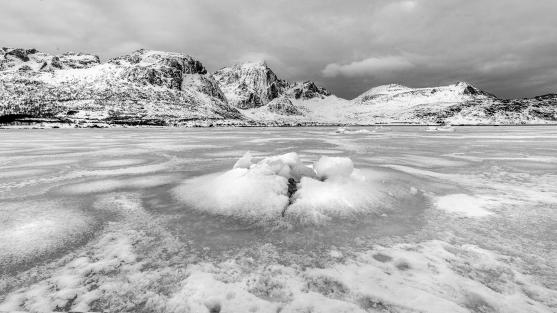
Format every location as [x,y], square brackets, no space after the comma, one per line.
[507,47]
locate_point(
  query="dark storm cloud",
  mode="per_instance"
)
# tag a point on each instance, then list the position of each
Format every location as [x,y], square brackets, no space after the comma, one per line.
[506,47]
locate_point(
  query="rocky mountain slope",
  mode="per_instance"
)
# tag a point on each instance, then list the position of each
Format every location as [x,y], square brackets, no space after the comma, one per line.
[459,103]
[144,87]
[162,88]
[253,85]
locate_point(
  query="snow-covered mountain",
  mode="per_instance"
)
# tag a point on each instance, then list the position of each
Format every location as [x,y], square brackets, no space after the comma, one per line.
[460,103]
[163,88]
[144,87]
[254,84]
[249,85]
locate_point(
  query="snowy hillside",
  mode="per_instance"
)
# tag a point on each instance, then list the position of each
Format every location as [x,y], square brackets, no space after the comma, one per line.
[254,84]
[459,103]
[145,87]
[163,88]
[249,85]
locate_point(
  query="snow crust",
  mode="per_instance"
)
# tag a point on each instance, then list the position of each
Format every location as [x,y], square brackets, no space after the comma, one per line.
[33,228]
[462,204]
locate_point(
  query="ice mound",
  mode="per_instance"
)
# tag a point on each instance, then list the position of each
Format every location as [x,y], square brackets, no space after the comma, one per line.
[283,187]
[319,201]
[331,167]
[240,192]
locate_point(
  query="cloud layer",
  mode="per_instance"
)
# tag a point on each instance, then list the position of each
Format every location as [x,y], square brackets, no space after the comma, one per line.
[382,66]
[506,47]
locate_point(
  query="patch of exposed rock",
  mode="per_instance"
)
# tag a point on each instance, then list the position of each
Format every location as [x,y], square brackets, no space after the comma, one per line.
[284,106]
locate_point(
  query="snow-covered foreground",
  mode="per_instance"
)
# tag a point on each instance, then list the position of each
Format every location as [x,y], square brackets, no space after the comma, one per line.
[182,220]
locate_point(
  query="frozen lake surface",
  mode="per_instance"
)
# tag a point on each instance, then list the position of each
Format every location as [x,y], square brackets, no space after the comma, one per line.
[113,220]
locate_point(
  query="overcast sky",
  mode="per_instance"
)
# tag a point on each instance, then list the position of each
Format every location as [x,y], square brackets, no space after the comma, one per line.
[507,47]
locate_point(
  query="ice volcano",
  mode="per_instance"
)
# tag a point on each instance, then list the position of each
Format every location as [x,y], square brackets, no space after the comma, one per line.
[282,188]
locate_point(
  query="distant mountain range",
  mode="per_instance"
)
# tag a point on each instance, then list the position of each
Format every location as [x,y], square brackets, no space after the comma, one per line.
[163,88]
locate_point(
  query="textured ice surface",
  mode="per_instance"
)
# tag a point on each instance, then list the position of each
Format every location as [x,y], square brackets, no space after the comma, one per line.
[462,204]
[107,185]
[33,229]
[75,236]
[118,162]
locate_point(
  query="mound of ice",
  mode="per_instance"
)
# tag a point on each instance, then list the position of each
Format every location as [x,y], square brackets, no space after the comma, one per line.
[318,201]
[331,167]
[240,192]
[282,186]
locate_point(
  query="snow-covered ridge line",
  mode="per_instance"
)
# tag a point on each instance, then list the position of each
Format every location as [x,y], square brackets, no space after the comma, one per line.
[160,88]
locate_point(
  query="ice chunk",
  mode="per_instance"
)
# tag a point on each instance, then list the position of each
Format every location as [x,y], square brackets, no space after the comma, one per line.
[244,161]
[282,186]
[330,167]
[318,201]
[256,193]
[345,131]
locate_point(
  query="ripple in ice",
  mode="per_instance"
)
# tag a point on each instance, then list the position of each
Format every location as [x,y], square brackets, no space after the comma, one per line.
[33,230]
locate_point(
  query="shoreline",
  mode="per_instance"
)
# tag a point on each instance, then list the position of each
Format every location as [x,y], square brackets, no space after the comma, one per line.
[243,125]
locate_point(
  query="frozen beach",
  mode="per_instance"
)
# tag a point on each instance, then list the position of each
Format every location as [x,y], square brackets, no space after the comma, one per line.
[311,220]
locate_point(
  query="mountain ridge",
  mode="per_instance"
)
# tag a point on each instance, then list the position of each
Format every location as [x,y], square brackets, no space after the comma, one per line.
[148,87]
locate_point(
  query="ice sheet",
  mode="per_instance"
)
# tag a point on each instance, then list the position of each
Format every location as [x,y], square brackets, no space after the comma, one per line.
[463,204]
[413,239]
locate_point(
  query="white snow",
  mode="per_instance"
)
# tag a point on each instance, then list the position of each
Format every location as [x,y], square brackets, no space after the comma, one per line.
[251,194]
[203,293]
[333,167]
[316,202]
[346,131]
[33,228]
[259,191]
[462,204]
[244,161]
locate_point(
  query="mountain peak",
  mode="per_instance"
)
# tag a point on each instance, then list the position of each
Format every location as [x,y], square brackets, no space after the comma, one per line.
[34,60]
[257,63]
[469,89]
[250,84]
[389,89]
